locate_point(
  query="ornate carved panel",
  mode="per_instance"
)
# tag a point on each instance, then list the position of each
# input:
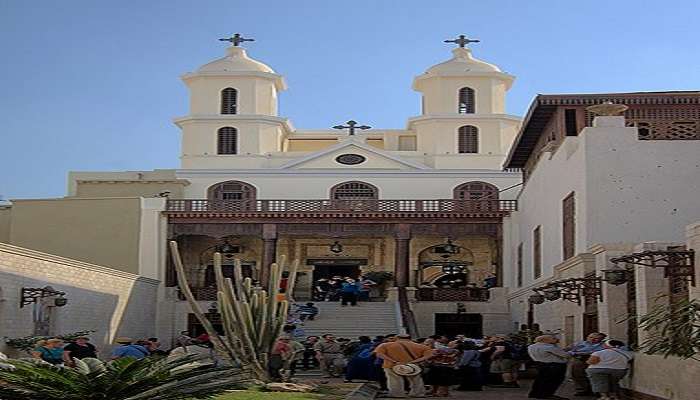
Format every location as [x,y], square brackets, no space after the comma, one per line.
[215,230]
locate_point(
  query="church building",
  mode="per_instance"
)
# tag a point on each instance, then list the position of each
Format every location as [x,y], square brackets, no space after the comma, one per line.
[466,212]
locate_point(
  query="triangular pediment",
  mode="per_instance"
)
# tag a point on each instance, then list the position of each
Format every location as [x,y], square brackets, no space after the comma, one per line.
[352,154]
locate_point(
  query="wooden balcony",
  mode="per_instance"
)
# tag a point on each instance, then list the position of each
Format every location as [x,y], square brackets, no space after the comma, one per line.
[346,208]
[452,294]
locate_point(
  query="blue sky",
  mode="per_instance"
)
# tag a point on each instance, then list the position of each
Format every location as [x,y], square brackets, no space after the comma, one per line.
[94,85]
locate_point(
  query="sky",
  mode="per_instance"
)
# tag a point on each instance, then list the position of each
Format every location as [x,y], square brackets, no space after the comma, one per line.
[95,85]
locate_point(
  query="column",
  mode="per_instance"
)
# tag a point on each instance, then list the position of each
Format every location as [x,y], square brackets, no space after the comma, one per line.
[269,253]
[499,255]
[402,238]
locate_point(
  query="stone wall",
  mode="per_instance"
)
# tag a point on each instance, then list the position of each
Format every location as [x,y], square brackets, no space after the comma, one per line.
[111,302]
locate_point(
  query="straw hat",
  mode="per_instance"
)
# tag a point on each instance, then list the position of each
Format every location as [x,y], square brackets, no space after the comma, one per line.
[406,369]
[123,340]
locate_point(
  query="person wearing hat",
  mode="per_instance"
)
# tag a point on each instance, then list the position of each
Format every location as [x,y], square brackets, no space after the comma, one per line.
[127,349]
[400,359]
[80,348]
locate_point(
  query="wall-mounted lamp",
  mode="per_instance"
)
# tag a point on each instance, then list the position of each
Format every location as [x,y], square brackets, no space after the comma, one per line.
[32,295]
[336,247]
[461,308]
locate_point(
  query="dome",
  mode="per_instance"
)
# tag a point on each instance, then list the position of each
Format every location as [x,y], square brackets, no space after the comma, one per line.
[236,60]
[462,62]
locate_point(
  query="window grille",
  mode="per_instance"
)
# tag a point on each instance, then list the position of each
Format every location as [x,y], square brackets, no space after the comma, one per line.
[476,191]
[519,261]
[466,100]
[632,329]
[569,226]
[354,190]
[468,138]
[229,101]
[407,143]
[227,140]
[232,190]
[537,252]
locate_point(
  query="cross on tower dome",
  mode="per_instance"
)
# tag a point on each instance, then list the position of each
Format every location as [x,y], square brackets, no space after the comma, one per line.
[462,41]
[236,39]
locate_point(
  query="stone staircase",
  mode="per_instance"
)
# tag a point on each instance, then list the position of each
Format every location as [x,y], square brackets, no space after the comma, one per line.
[365,319]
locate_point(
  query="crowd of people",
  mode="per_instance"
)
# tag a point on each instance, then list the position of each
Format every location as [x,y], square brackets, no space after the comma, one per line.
[406,367]
[403,366]
[58,352]
[344,289]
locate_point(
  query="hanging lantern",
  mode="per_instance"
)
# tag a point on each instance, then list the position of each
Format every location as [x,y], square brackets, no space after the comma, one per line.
[450,247]
[60,301]
[536,299]
[615,276]
[551,293]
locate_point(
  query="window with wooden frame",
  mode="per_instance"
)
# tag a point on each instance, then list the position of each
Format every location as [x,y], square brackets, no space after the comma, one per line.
[227,140]
[466,101]
[354,191]
[537,252]
[519,265]
[229,101]
[468,139]
[570,122]
[568,210]
[476,190]
[232,190]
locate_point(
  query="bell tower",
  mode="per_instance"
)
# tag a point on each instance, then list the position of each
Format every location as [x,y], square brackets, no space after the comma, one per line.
[463,120]
[233,110]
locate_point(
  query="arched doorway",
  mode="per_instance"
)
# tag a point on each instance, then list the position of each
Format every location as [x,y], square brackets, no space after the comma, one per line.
[445,265]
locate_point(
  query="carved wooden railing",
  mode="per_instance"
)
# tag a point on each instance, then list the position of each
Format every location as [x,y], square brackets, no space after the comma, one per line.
[359,205]
[452,294]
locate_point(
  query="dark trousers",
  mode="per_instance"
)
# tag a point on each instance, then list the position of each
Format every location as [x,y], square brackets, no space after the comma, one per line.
[309,360]
[549,377]
[578,375]
[349,298]
[470,378]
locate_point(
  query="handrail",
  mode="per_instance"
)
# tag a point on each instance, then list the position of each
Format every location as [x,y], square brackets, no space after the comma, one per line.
[407,316]
[450,206]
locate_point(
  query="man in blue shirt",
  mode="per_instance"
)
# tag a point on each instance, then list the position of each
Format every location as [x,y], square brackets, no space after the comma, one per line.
[580,353]
[127,349]
[349,292]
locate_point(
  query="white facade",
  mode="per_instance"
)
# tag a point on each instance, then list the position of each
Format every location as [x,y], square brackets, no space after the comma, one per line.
[282,162]
[626,190]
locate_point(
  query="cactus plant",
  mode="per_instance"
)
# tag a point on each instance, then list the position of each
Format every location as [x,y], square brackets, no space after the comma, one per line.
[252,317]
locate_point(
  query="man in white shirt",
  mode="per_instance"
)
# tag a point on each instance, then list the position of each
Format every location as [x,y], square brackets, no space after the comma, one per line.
[551,363]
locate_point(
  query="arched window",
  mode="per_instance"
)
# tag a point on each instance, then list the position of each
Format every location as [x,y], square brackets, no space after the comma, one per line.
[227,140]
[476,191]
[229,101]
[354,190]
[232,190]
[468,139]
[466,101]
